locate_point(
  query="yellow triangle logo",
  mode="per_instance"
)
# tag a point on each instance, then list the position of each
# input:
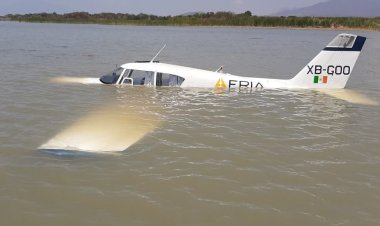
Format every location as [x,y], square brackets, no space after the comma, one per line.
[220,84]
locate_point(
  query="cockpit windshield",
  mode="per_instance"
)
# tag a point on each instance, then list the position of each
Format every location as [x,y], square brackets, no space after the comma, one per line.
[112,77]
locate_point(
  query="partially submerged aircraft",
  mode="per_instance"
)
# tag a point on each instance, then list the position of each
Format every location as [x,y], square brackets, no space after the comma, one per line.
[328,72]
[330,69]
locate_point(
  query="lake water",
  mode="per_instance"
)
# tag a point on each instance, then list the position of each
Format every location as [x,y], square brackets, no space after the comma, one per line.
[263,157]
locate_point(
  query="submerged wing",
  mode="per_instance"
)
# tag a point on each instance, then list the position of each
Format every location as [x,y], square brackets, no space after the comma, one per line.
[79,80]
[109,129]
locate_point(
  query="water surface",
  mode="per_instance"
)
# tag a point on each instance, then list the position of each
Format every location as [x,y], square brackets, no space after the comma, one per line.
[262,157]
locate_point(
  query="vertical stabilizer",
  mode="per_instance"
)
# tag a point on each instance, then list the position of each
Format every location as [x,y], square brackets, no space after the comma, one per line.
[332,67]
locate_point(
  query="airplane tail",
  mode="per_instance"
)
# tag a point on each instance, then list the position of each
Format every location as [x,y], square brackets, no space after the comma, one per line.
[332,67]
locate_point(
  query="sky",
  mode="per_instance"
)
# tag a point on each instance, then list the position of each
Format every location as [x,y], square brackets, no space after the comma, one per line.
[157,7]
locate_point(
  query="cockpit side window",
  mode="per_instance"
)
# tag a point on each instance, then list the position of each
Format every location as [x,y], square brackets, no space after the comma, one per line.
[141,77]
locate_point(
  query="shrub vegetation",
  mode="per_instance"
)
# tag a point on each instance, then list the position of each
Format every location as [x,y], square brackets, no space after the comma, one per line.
[201,19]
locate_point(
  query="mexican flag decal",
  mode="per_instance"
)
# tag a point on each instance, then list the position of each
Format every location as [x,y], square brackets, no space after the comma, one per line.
[320,79]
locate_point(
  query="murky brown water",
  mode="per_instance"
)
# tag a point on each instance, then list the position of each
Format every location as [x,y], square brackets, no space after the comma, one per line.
[266,157]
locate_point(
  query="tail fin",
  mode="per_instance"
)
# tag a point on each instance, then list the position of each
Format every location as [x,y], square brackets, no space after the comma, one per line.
[332,67]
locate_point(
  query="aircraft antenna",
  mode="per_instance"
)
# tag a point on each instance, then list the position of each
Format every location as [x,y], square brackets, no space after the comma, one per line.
[163,47]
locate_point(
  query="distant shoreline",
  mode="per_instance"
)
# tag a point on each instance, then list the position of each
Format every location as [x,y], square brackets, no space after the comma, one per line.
[218,19]
[291,28]
[213,26]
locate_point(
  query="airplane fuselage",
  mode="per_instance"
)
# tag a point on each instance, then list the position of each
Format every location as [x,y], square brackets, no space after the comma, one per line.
[331,68]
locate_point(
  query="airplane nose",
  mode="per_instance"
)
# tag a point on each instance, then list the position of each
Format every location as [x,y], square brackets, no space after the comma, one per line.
[109,79]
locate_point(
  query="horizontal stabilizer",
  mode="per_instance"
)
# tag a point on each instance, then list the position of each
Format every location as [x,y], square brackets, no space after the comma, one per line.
[350,96]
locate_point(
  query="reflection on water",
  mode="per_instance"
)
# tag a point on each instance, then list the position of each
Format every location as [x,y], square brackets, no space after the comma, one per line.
[248,157]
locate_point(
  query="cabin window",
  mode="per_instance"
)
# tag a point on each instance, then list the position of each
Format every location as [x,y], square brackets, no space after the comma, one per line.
[149,78]
[164,79]
[141,77]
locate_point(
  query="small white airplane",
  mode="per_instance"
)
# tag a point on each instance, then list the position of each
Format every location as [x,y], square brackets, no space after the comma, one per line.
[104,130]
[330,69]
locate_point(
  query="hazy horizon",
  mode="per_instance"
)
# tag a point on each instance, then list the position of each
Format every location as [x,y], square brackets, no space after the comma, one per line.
[158,7]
